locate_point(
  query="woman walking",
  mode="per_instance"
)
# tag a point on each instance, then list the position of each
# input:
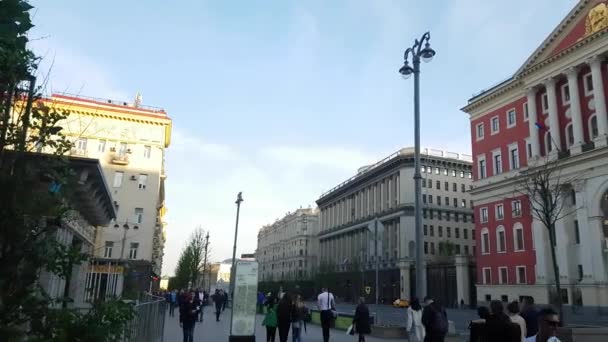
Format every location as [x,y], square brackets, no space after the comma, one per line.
[270,320]
[361,320]
[299,315]
[414,322]
[284,316]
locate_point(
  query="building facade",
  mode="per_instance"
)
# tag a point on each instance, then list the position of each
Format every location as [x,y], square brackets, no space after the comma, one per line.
[385,191]
[129,140]
[553,109]
[288,248]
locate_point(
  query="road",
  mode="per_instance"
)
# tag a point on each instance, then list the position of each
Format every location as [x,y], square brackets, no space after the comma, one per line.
[210,330]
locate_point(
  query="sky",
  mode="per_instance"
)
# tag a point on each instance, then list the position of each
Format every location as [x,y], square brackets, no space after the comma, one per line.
[282,99]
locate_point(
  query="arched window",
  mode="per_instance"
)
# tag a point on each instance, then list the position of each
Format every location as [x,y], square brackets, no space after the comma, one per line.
[548,142]
[593,131]
[501,241]
[485,241]
[518,237]
[569,135]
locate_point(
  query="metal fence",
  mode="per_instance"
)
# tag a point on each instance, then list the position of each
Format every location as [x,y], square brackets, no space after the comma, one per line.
[149,321]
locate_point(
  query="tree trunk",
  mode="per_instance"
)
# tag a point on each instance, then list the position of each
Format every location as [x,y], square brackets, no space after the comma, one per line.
[558,286]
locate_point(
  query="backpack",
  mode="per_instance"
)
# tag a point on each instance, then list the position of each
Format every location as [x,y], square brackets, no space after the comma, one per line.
[440,321]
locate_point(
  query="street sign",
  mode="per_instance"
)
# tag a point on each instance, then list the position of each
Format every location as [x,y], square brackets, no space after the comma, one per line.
[368,289]
[244,299]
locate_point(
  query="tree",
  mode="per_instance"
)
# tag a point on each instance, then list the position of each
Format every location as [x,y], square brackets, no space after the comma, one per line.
[547,190]
[192,260]
[447,248]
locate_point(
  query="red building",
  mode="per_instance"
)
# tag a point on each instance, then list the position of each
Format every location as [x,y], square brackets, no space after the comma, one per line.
[552,108]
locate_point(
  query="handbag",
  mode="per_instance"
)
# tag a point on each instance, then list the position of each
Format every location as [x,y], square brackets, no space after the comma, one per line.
[350,330]
[332,307]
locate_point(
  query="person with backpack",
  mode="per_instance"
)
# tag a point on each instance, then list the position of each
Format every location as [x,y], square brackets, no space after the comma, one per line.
[435,321]
[413,324]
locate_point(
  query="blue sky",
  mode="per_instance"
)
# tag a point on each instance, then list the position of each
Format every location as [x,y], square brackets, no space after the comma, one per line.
[283,99]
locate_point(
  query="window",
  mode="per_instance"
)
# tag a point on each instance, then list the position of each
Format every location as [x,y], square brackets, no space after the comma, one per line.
[464,217]
[101,147]
[503,275]
[438,200]
[484,215]
[461,174]
[122,150]
[526,111]
[438,184]
[424,199]
[430,199]
[448,231]
[495,125]
[458,249]
[545,103]
[423,169]
[457,232]
[424,182]
[565,94]
[455,201]
[433,248]
[139,215]
[487,275]
[577,236]
[426,247]
[431,214]
[436,170]
[143,179]
[456,217]
[469,175]
[453,173]
[462,188]
[480,131]
[518,237]
[514,156]
[485,241]
[454,187]
[465,233]
[81,144]
[588,84]
[516,208]
[107,253]
[147,151]
[511,120]
[432,230]
[521,275]
[473,235]
[466,250]
[425,228]
[500,212]
[548,142]
[463,203]
[580,272]
[501,243]
[446,186]
[133,250]
[482,167]
[118,176]
[497,159]
[447,201]
[445,172]
[448,215]
[423,213]
[440,231]
[569,135]
[593,130]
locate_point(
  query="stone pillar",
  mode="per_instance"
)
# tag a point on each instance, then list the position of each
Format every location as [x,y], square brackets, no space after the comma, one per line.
[463,279]
[541,246]
[600,101]
[562,253]
[404,279]
[575,111]
[596,237]
[583,228]
[532,120]
[553,118]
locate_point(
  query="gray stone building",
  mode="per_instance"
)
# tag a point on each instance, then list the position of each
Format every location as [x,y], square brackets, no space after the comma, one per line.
[385,191]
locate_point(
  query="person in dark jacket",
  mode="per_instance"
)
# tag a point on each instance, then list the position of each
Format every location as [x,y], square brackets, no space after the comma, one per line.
[225,300]
[530,315]
[199,305]
[361,320]
[187,318]
[218,300]
[298,319]
[477,327]
[284,316]
[435,320]
[499,327]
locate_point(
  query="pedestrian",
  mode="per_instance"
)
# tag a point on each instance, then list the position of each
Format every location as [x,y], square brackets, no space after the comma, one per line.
[187,318]
[530,315]
[361,320]
[172,303]
[270,319]
[224,300]
[218,300]
[260,302]
[414,321]
[547,323]
[435,321]
[284,316]
[327,307]
[298,321]
[198,303]
[205,298]
[477,327]
[499,327]
[513,312]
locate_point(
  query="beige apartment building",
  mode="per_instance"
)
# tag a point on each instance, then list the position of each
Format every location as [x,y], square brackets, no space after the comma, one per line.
[288,248]
[129,140]
[385,191]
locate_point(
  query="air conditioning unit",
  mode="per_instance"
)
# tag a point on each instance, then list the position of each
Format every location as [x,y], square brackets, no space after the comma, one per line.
[133,177]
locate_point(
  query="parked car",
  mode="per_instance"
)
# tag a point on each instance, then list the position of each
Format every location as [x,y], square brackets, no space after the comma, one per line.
[401,303]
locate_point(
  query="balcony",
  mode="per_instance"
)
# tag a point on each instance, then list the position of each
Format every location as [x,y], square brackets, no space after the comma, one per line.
[78,152]
[120,158]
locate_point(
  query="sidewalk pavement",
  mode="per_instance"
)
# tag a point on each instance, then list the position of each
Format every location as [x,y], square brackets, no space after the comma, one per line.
[213,331]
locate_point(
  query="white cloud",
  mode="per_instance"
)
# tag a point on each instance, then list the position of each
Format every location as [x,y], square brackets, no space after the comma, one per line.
[331,157]
[183,142]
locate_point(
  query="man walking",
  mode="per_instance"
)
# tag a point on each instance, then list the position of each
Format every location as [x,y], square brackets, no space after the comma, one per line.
[172,302]
[187,317]
[548,322]
[218,299]
[326,304]
[435,321]
[225,294]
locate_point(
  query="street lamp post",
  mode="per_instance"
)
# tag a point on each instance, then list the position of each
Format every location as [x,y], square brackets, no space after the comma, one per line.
[239,199]
[420,50]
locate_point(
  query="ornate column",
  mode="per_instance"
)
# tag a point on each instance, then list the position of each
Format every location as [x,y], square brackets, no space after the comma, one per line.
[575,111]
[541,245]
[404,279]
[532,120]
[583,227]
[463,279]
[553,118]
[600,100]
